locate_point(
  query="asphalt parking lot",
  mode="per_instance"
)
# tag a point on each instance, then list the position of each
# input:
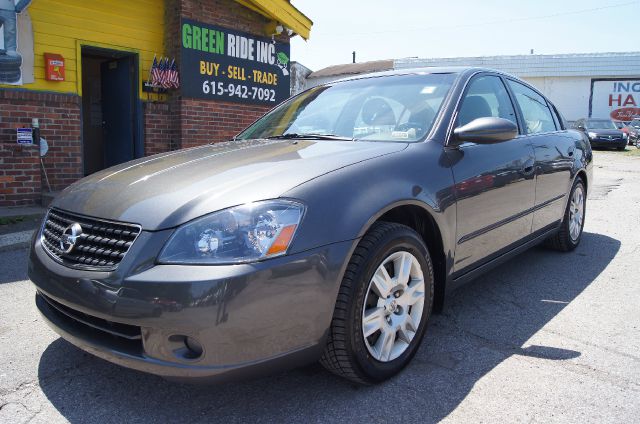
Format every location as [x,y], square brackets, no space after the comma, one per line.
[545,337]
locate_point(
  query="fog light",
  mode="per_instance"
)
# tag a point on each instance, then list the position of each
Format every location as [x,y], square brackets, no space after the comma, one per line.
[194,347]
[185,347]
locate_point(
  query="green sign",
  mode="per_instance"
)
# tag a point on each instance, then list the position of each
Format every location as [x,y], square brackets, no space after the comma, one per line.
[223,64]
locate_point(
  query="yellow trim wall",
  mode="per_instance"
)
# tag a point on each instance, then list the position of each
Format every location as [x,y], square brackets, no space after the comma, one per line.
[63,26]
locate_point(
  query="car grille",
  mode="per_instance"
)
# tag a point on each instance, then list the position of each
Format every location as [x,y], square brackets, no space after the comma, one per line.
[609,137]
[101,245]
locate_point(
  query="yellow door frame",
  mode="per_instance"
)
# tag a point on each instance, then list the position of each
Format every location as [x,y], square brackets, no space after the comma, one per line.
[85,43]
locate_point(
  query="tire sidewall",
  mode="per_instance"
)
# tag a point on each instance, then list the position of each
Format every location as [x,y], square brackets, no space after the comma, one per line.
[402,240]
[567,215]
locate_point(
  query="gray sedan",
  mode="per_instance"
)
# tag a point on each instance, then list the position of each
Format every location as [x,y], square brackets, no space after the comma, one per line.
[328,230]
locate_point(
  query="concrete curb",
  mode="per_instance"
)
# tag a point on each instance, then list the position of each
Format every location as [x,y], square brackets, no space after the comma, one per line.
[11,212]
[14,241]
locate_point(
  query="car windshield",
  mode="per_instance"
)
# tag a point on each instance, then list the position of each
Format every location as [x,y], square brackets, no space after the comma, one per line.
[601,124]
[394,108]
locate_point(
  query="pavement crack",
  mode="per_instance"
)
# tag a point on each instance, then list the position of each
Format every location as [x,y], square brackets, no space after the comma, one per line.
[25,384]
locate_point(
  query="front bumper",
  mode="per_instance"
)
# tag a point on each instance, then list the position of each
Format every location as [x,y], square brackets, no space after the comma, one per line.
[250,319]
[612,144]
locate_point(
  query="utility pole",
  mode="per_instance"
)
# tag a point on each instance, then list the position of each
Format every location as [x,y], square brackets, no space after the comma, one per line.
[354,57]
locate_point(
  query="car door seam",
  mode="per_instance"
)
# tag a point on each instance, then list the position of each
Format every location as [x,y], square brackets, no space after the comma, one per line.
[508,220]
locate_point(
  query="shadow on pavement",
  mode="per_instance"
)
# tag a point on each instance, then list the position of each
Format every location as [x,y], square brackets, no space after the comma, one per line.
[483,324]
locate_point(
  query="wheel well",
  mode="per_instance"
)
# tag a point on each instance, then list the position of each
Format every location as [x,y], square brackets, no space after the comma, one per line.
[423,223]
[583,175]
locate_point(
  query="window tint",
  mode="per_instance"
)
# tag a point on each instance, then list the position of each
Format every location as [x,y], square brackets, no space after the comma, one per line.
[486,97]
[536,113]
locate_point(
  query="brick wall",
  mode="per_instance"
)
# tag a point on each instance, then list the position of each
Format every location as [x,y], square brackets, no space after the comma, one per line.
[206,122]
[19,175]
[60,125]
[157,128]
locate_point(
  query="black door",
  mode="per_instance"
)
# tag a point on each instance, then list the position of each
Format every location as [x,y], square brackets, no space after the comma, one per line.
[118,109]
[554,151]
[494,183]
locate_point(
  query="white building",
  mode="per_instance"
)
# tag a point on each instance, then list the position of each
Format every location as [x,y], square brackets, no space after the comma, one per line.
[580,85]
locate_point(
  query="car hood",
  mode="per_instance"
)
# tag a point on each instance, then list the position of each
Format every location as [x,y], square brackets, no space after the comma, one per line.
[169,189]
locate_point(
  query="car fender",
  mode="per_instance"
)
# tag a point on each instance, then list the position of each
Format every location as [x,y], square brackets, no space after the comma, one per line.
[343,204]
[582,164]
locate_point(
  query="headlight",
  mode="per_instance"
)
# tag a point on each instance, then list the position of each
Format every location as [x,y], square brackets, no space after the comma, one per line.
[624,136]
[592,134]
[244,233]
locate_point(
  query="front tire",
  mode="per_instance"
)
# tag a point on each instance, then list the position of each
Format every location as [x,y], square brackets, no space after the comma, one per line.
[383,306]
[570,233]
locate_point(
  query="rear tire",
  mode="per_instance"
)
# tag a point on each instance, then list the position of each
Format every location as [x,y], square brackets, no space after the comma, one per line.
[570,233]
[379,320]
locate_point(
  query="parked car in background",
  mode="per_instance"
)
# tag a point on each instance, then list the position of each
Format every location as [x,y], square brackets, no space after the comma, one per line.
[626,129]
[328,230]
[634,131]
[602,132]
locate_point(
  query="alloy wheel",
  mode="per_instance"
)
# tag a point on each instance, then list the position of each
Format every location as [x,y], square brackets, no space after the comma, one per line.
[576,213]
[393,306]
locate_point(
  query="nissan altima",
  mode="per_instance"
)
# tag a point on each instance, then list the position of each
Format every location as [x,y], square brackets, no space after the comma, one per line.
[603,133]
[329,230]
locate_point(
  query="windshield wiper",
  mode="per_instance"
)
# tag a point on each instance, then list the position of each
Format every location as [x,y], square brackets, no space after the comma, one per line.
[310,136]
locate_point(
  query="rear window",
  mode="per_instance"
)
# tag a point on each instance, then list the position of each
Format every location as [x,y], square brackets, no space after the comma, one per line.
[535,111]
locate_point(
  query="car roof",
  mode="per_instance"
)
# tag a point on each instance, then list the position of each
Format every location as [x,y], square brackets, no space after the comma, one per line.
[423,71]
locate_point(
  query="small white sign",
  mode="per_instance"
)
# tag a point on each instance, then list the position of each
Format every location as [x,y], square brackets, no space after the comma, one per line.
[25,135]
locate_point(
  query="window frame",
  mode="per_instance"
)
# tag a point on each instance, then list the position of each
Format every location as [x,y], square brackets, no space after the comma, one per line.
[562,124]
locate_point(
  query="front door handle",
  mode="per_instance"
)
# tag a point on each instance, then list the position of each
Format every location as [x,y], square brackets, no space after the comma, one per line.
[528,167]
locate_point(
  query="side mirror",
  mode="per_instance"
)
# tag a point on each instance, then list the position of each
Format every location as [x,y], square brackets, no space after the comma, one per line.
[580,127]
[487,130]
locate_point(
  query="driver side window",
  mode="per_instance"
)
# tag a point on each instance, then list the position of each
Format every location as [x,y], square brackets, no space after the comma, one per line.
[486,97]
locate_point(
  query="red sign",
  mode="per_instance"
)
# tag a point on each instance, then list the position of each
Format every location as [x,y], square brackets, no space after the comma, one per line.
[54,67]
[625,114]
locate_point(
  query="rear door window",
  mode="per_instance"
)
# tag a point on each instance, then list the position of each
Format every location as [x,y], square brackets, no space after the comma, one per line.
[535,111]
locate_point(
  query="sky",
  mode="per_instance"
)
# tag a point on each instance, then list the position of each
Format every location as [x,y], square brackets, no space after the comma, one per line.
[395,29]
